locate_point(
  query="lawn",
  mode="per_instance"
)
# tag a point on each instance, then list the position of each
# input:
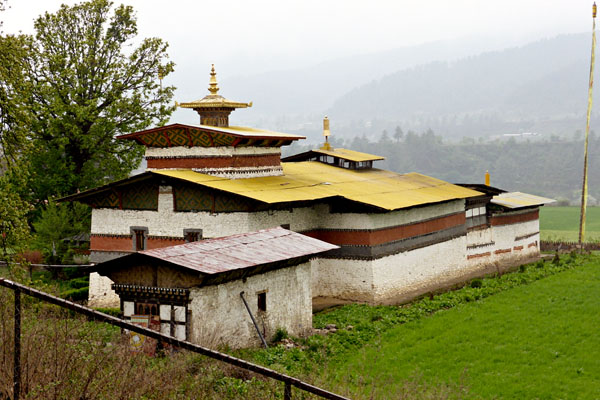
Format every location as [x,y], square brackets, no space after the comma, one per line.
[538,340]
[562,223]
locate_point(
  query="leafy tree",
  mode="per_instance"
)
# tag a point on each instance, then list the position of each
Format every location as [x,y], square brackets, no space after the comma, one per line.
[14,116]
[89,83]
[14,231]
[56,223]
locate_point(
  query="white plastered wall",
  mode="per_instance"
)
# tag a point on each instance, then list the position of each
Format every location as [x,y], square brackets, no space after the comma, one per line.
[401,276]
[166,222]
[196,151]
[499,238]
[219,315]
[342,279]
[100,292]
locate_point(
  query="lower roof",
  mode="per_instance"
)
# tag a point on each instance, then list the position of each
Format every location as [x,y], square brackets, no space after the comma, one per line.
[313,180]
[344,154]
[520,200]
[230,253]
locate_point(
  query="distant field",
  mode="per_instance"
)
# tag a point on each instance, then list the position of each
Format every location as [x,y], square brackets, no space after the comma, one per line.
[534,341]
[562,223]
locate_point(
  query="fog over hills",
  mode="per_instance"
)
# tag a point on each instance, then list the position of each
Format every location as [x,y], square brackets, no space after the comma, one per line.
[451,87]
[541,87]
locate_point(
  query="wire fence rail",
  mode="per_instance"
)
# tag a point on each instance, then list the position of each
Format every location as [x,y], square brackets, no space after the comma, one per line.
[561,245]
[18,288]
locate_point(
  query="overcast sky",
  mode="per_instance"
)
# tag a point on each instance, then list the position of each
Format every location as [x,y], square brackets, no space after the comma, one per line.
[243,37]
[273,34]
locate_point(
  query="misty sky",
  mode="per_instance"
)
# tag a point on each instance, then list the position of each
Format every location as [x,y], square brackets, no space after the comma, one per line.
[272,34]
[247,37]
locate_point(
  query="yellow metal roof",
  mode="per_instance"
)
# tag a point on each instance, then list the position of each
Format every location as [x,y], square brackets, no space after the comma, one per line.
[518,200]
[310,180]
[349,155]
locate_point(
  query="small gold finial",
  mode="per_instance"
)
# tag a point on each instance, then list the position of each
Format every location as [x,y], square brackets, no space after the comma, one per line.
[594,10]
[487,178]
[326,133]
[213,87]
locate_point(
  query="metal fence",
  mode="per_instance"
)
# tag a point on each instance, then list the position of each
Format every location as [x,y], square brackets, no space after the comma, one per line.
[17,288]
[565,246]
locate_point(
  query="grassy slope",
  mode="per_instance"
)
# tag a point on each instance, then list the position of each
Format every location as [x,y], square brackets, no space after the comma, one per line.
[562,223]
[534,341]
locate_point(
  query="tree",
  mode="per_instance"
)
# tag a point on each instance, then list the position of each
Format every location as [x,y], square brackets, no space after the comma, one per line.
[398,134]
[14,87]
[89,84]
[14,231]
[56,223]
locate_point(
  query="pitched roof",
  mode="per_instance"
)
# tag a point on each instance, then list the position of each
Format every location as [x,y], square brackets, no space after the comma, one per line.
[344,154]
[209,136]
[313,180]
[236,252]
[519,200]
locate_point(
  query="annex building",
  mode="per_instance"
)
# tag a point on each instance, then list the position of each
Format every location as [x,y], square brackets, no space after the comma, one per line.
[395,235]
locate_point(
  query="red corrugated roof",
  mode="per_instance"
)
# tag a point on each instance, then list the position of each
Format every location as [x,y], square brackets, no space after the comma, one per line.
[212,256]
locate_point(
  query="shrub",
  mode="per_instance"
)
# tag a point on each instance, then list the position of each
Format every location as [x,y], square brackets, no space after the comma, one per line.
[80,294]
[79,283]
[115,312]
[476,283]
[280,334]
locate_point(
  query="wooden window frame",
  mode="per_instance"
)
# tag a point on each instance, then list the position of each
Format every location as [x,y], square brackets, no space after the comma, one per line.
[189,233]
[135,232]
[261,301]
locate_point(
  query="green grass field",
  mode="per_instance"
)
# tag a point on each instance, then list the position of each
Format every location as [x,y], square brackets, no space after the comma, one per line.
[534,341]
[562,223]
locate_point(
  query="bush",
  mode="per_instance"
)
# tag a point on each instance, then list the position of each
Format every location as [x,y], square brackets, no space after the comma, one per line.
[80,294]
[476,283]
[115,312]
[79,283]
[280,334]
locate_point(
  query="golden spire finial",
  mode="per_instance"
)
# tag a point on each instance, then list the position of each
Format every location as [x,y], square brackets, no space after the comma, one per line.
[594,10]
[487,178]
[326,133]
[213,87]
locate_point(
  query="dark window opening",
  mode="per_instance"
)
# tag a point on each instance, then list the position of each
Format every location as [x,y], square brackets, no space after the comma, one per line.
[262,301]
[139,235]
[285,226]
[146,309]
[192,235]
[139,240]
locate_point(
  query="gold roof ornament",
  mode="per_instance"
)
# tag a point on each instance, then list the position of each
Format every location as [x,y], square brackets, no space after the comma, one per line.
[326,133]
[213,86]
[213,108]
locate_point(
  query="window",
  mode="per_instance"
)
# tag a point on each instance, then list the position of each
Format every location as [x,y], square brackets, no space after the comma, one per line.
[146,309]
[475,217]
[139,235]
[262,301]
[192,235]
[285,226]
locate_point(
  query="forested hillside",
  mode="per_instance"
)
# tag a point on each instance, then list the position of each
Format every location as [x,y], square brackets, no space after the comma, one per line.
[551,168]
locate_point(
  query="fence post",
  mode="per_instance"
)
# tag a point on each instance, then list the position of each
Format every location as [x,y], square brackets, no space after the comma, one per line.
[17,352]
[287,391]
